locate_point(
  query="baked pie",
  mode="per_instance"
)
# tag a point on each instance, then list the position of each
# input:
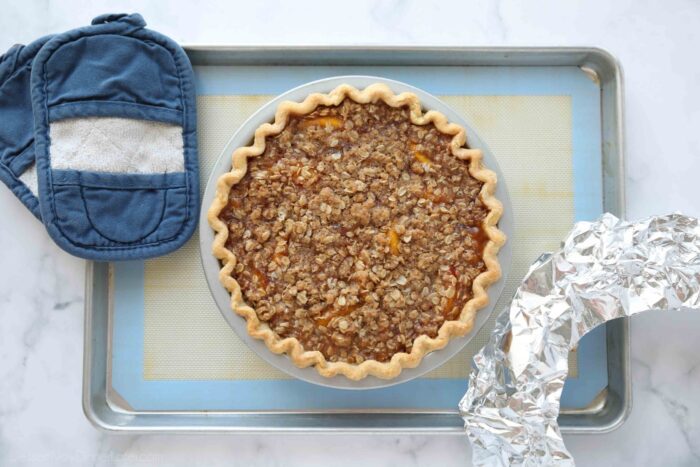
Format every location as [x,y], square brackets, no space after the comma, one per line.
[357,233]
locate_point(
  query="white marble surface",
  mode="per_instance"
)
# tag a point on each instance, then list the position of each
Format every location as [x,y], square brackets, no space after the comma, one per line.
[41,288]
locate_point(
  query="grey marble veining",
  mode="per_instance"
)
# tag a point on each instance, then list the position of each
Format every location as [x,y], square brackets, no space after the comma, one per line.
[41,288]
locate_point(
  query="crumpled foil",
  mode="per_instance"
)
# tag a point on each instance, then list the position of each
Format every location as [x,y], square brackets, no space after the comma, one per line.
[605,270]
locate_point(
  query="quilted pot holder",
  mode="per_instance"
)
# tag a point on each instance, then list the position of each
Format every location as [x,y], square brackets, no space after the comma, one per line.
[115,140]
[17,169]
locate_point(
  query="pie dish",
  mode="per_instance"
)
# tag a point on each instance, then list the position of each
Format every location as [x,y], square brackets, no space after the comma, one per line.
[357,233]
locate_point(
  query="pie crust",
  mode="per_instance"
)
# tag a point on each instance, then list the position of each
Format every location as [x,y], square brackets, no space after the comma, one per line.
[423,344]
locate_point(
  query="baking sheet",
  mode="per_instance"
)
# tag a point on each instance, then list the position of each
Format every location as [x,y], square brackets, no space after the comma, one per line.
[172,349]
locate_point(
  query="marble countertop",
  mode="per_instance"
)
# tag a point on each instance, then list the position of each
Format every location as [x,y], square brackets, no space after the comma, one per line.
[41,288]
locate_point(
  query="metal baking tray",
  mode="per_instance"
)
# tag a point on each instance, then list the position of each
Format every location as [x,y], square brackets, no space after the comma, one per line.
[609,410]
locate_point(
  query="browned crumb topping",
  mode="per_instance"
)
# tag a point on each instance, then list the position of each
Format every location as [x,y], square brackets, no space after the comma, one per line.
[356,232]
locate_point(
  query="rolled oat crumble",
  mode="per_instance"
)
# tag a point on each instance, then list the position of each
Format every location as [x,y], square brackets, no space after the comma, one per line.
[356,231]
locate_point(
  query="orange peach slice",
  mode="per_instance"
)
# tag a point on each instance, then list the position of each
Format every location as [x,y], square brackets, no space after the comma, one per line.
[333,122]
[422,158]
[394,242]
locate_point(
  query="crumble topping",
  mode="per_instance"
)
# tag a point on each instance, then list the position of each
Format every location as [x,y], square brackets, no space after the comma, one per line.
[356,231]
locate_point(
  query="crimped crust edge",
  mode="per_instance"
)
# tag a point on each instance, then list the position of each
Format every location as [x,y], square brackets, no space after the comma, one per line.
[423,344]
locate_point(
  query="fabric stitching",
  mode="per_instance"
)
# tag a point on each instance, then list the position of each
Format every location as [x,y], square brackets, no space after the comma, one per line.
[76,103]
[83,140]
[153,180]
[94,227]
[131,188]
[95,128]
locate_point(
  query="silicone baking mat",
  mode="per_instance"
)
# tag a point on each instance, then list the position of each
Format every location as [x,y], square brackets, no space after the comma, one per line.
[172,349]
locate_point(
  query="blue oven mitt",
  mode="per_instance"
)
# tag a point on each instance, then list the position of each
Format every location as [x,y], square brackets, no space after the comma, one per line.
[115,140]
[17,169]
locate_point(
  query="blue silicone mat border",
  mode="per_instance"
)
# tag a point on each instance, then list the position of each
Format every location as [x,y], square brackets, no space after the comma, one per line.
[128,308]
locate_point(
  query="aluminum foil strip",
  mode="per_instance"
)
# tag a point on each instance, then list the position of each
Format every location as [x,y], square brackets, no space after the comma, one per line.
[605,270]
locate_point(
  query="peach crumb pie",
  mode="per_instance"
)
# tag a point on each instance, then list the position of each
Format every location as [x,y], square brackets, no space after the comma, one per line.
[357,233]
